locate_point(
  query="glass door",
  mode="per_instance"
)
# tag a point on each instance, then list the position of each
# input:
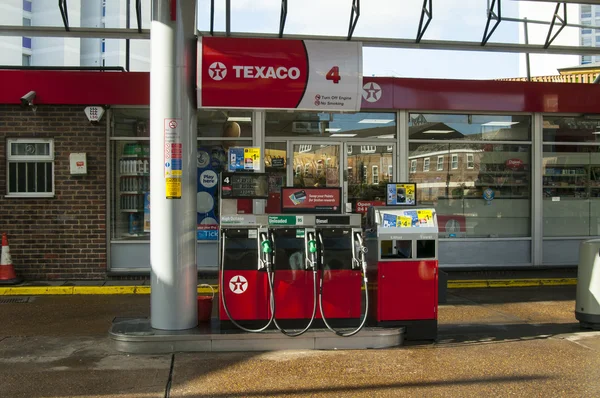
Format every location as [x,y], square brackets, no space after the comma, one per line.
[369,167]
[316,164]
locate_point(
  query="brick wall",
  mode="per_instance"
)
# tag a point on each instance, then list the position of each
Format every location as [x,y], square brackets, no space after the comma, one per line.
[62,237]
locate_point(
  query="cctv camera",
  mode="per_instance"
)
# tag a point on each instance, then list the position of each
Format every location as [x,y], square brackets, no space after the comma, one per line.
[27,99]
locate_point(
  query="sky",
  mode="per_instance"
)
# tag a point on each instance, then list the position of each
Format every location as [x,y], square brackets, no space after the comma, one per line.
[462,20]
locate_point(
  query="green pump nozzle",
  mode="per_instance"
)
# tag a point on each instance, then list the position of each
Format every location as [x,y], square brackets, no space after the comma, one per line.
[312,246]
[266,246]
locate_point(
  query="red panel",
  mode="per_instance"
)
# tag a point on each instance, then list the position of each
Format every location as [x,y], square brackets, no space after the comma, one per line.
[342,294]
[407,290]
[490,95]
[274,203]
[253,303]
[294,293]
[76,88]
[244,206]
[378,93]
[133,88]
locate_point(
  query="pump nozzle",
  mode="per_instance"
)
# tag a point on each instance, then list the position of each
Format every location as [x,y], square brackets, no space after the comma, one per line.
[266,246]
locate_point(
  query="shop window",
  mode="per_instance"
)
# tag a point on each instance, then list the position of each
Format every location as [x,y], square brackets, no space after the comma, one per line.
[375,172]
[469,127]
[331,124]
[30,167]
[454,165]
[390,173]
[490,201]
[426,164]
[440,163]
[413,166]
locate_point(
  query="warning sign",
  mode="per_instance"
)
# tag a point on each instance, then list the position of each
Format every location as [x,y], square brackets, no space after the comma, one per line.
[173,186]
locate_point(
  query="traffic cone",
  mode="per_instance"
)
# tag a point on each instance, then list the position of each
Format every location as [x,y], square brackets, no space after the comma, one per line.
[7,271]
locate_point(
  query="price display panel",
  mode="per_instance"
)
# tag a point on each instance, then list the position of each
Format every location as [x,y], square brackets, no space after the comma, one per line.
[244,186]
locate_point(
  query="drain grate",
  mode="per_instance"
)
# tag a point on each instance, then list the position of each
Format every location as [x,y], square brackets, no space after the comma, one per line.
[14,300]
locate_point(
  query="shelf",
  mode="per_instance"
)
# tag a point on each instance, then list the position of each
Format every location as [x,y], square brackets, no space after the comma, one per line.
[139,235]
[133,157]
[565,175]
[503,172]
[132,210]
[133,192]
[501,185]
[135,175]
[565,186]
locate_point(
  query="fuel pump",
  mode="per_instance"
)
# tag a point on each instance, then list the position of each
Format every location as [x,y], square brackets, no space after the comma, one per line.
[264,264]
[358,263]
[310,264]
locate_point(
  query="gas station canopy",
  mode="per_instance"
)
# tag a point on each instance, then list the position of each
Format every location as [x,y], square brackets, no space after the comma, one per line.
[494,17]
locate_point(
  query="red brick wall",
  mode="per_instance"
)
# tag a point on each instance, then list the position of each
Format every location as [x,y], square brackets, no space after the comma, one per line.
[62,237]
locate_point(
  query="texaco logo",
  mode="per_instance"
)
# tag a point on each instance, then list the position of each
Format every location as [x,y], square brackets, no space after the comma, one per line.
[217,71]
[371,92]
[238,284]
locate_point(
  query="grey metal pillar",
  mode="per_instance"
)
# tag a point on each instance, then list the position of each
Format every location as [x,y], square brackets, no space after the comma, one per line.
[174,277]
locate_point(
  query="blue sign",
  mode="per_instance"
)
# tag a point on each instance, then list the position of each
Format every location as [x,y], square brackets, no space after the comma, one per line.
[488,195]
[236,159]
[389,220]
[211,161]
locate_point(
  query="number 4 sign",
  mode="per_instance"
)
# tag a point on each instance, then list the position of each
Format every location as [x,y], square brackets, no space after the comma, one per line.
[334,75]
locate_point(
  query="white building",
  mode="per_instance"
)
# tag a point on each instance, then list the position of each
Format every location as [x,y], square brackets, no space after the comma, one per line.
[589,15]
[58,51]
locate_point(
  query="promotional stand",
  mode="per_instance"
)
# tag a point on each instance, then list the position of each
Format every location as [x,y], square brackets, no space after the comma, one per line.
[402,261]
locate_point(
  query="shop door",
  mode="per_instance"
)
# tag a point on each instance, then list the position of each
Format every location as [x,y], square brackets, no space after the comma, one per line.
[369,167]
[315,165]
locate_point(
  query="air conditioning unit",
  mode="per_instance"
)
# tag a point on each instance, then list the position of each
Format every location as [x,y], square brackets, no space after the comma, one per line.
[306,127]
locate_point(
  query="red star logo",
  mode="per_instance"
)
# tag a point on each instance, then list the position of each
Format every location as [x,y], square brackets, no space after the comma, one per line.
[238,284]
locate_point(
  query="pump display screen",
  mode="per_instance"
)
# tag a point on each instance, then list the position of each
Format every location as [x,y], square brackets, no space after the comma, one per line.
[289,249]
[337,250]
[244,186]
[240,252]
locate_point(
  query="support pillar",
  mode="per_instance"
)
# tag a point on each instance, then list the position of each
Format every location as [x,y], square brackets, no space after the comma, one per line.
[173,142]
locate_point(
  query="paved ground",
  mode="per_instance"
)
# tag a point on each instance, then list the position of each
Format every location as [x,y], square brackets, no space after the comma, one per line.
[493,342]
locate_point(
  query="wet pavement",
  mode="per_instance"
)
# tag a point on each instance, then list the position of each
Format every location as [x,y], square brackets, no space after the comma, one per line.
[494,342]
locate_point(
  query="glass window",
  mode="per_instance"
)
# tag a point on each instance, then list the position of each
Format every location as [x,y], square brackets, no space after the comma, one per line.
[586,41]
[27,5]
[454,162]
[26,59]
[572,129]
[571,188]
[469,127]
[586,59]
[30,167]
[470,161]
[426,164]
[373,159]
[586,31]
[375,172]
[26,42]
[440,163]
[365,175]
[586,8]
[486,196]
[26,21]
[327,124]
[275,167]
[597,40]
[413,166]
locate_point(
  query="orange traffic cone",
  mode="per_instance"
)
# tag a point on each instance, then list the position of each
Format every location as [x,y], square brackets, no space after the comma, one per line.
[7,271]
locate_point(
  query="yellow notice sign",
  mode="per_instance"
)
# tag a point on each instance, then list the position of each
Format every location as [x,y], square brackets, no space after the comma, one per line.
[173,188]
[252,158]
[425,218]
[404,221]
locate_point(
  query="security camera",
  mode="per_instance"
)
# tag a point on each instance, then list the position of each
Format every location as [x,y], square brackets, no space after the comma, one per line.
[27,99]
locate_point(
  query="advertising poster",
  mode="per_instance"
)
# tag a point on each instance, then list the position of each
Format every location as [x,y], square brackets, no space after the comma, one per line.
[147,212]
[311,200]
[401,194]
[210,163]
[243,159]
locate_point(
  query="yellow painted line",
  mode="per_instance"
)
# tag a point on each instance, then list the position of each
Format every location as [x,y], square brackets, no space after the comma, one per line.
[206,291]
[86,290]
[466,284]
